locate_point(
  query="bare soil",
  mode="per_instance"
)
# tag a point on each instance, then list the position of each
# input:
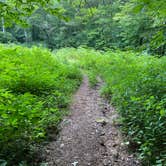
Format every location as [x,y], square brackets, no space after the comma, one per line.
[89,136]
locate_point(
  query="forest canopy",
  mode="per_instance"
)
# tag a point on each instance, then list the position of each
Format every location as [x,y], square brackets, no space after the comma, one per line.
[106,24]
[18,10]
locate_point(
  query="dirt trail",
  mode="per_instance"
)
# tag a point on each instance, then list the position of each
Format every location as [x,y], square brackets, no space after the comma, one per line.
[89,136]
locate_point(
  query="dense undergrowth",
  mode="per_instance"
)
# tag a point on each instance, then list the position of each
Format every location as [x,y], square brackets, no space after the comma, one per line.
[36,87]
[35,90]
[136,85]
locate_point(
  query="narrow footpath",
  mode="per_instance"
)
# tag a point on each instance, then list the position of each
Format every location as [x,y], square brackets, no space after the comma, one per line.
[89,136]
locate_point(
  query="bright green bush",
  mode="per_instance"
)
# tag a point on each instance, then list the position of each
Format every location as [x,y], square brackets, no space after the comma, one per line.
[136,85]
[35,89]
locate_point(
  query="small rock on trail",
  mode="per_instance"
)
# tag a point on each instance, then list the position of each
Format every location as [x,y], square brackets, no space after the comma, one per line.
[88,136]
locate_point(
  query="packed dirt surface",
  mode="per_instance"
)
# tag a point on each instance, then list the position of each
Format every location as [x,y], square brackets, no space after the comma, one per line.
[89,136]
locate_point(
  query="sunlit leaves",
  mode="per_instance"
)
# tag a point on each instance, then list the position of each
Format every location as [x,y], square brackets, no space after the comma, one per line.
[17,10]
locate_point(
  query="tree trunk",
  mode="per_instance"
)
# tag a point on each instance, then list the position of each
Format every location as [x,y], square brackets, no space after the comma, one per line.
[3,25]
[26,36]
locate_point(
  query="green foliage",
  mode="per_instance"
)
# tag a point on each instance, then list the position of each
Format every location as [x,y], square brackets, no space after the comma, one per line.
[142,24]
[136,85]
[36,86]
[17,10]
[131,24]
[6,37]
[35,90]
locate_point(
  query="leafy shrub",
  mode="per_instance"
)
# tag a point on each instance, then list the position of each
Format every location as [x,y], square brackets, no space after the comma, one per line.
[21,122]
[35,88]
